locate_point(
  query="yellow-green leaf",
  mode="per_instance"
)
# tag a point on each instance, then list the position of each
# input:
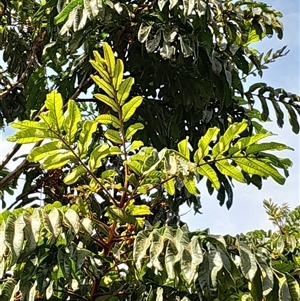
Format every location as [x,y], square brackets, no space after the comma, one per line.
[138,210]
[54,104]
[190,185]
[107,100]
[118,76]
[170,187]
[99,153]
[31,136]
[73,176]
[184,148]
[113,136]
[205,170]
[109,59]
[88,128]
[129,108]
[135,166]
[58,160]
[28,124]
[106,87]
[124,90]
[109,119]
[136,145]
[100,69]
[115,150]
[132,129]
[48,149]
[229,170]
[71,121]
[203,144]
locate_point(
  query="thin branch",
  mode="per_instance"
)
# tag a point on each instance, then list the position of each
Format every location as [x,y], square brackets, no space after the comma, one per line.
[71,294]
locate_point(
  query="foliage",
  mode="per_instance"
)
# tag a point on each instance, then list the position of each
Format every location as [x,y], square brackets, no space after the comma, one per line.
[107,242]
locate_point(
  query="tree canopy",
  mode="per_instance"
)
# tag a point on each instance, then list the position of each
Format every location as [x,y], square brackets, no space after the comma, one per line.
[168,109]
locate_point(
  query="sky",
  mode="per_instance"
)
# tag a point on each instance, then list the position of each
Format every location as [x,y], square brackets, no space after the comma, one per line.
[247,212]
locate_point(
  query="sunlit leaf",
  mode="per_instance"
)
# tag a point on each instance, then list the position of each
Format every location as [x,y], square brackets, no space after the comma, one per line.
[109,59]
[71,121]
[88,128]
[129,108]
[48,149]
[132,129]
[109,119]
[99,153]
[124,90]
[74,175]
[118,76]
[106,87]
[183,147]
[54,104]
[113,136]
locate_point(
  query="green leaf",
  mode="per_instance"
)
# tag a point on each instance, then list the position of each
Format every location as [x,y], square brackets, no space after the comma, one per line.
[98,65]
[191,257]
[106,87]
[247,141]
[124,90]
[189,183]
[14,236]
[88,128]
[56,161]
[207,171]
[109,119]
[99,153]
[28,124]
[188,6]
[71,121]
[229,170]
[107,100]
[109,59]
[118,76]
[138,210]
[113,136]
[248,262]
[48,149]
[31,136]
[256,148]
[72,219]
[135,166]
[170,187]
[54,104]
[225,140]
[183,148]
[132,129]
[144,32]
[74,175]
[109,173]
[249,167]
[136,144]
[129,108]
[262,166]
[66,11]
[115,150]
[293,287]
[203,144]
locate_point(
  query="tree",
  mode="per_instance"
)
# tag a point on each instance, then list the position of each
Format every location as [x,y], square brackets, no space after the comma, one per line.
[189,60]
[113,180]
[108,242]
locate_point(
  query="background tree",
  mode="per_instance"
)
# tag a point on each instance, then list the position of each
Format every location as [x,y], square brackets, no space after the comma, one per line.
[115,169]
[108,242]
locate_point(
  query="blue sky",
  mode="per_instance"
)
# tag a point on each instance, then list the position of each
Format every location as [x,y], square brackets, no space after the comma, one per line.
[247,212]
